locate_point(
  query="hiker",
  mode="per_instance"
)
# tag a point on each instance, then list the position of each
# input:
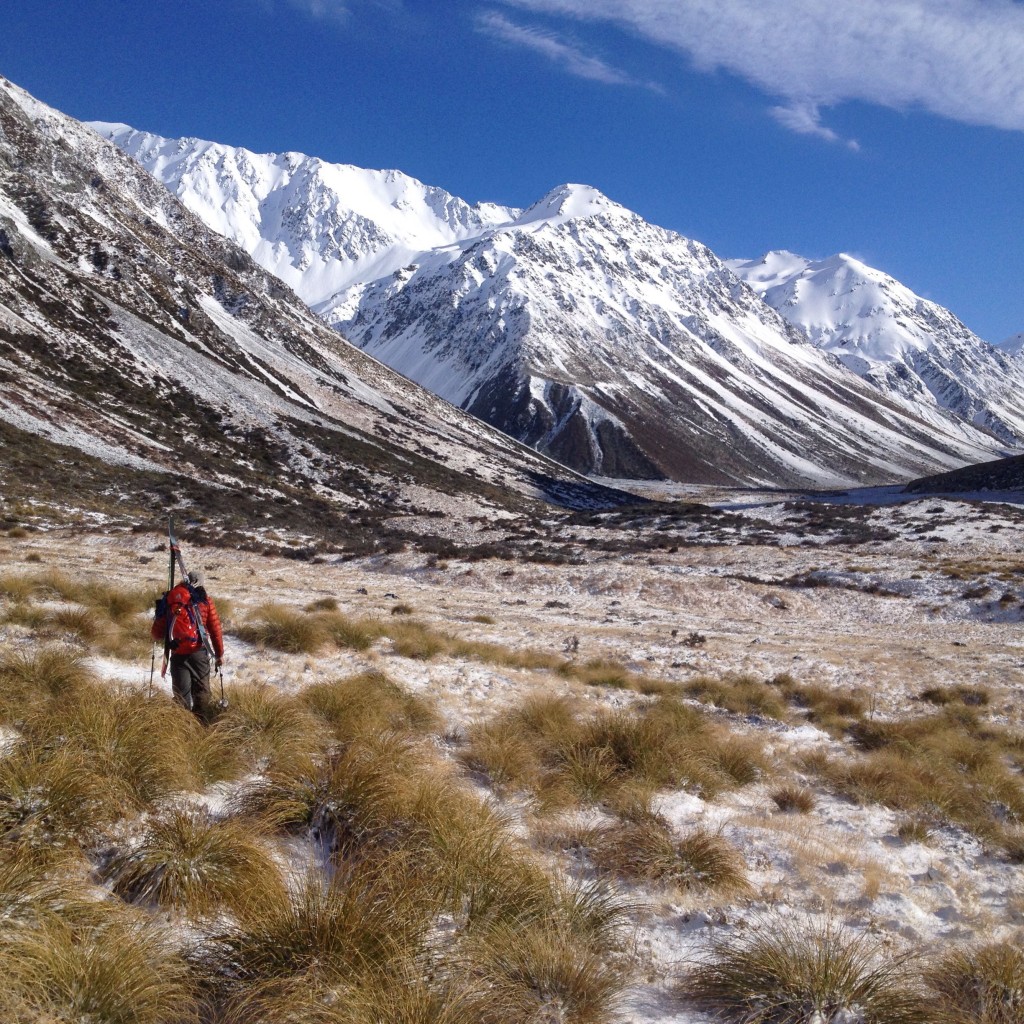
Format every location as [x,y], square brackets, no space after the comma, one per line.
[175,624]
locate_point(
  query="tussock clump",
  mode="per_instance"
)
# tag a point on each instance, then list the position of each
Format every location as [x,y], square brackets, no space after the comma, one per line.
[983,985]
[740,694]
[541,973]
[267,726]
[188,861]
[600,672]
[52,800]
[139,748]
[782,975]
[118,969]
[323,604]
[972,696]
[343,930]
[30,681]
[347,633]
[646,850]
[370,702]
[791,798]
[31,887]
[412,639]
[949,765]
[829,709]
[611,756]
[283,629]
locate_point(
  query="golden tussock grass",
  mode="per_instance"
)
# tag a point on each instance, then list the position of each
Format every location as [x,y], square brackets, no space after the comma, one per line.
[53,801]
[307,631]
[186,860]
[352,926]
[647,849]
[266,726]
[779,973]
[541,973]
[563,755]
[979,985]
[370,702]
[792,798]
[31,680]
[117,968]
[741,694]
[949,765]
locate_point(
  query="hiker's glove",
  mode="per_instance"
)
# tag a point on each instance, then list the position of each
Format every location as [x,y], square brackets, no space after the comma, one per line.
[220,661]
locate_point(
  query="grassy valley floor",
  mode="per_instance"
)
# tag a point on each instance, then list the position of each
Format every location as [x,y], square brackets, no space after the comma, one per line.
[668,778]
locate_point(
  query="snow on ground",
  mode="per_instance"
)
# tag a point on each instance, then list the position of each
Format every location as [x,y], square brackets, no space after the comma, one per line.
[885,619]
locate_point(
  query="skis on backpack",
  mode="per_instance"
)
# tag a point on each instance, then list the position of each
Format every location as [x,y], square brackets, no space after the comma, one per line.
[177,559]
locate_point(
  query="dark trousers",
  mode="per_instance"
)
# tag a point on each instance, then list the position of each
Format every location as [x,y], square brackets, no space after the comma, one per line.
[190,681]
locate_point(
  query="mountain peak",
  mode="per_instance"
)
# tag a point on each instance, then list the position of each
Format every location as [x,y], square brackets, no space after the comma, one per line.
[568,202]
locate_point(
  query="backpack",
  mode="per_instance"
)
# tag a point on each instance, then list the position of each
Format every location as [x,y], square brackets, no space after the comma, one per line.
[181,615]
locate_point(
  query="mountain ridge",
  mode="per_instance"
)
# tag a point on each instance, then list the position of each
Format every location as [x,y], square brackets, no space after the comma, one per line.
[612,345]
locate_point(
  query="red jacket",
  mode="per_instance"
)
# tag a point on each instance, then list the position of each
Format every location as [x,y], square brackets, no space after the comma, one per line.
[207,614]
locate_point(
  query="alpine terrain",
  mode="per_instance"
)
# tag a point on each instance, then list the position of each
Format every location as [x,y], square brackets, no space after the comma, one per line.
[617,347]
[132,335]
[903,344]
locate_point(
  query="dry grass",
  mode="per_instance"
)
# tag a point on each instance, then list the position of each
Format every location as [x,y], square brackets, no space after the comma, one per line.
[541,974]
[284,629]
[646,849]
[791,798]
[741,694]
[981,985]
[30,681]
[266,727]
[118,969]
[611,757]
[188,861]
[370,702]
[945,766]
[351,928]
[53,801]
[781,975]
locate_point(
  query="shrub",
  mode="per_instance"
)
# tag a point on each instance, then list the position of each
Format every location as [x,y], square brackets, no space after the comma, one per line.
[188,861]
[782,975]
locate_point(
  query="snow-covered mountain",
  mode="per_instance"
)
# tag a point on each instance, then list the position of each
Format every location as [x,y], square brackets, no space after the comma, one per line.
[613,345]
[131,332]
[1014,345]
[902,343]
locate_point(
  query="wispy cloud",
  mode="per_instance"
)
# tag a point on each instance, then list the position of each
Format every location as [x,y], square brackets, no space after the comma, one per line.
[567,55]
[804,118]
[339,10]
[961,59]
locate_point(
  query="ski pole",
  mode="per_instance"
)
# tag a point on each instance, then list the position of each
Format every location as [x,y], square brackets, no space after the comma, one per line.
[220,672]
[152,665]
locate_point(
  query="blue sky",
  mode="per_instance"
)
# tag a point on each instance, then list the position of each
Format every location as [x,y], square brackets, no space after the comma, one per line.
[890,129]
